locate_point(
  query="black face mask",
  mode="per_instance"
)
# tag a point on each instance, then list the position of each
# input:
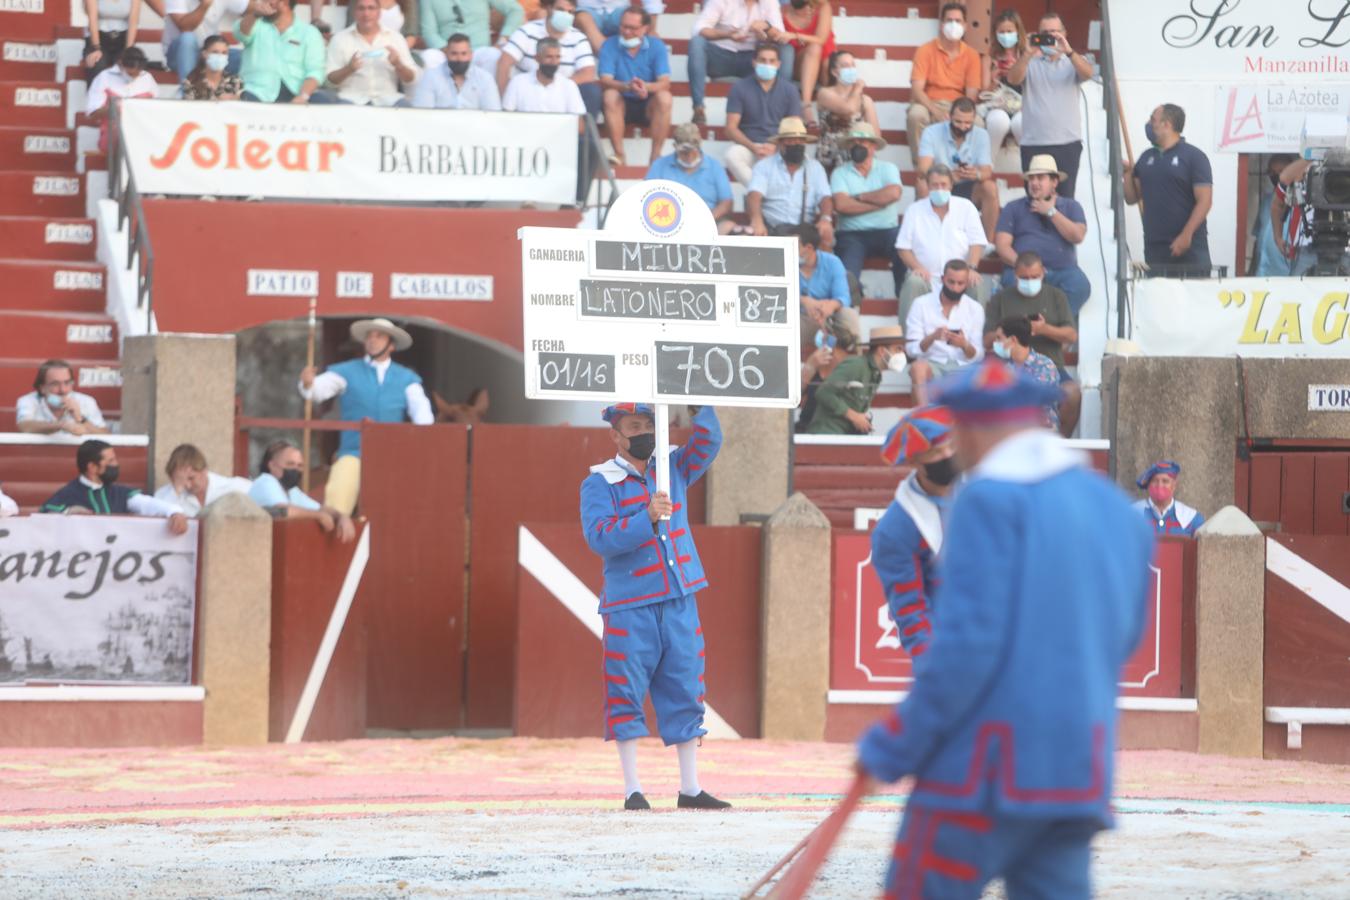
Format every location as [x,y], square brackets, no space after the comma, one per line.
[290,478]
[548,71]
[110,474]
[942,473]
[794,154]
[858,153]
[950,294]
[959,133]
[642,446]
[458,66]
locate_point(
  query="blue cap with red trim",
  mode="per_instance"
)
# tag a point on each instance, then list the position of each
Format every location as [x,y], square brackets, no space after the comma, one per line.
[993,392]
[1161,467]
[921,429]
[616,411]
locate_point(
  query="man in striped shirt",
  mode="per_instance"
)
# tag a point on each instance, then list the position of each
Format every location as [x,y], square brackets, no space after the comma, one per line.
[519,55]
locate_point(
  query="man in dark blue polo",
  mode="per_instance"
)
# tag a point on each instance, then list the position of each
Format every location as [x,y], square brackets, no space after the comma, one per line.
[1176,184]
[635,78]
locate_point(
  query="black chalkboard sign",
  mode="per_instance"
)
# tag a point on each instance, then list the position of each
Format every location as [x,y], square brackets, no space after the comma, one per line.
[686,368]
[576,372]
[658,301]
[762,305]
[688,259]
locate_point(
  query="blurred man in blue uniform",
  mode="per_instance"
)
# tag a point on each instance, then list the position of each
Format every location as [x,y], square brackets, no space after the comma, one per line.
[1011,722]
[908,537]
[1167,514]
[653,642]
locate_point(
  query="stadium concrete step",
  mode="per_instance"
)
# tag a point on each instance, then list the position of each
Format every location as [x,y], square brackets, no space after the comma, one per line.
[50,193]
[99,378]
[27,58]
[40,237]
[29,148]
[52,285]
[35,103]
[90,336]
[831,477]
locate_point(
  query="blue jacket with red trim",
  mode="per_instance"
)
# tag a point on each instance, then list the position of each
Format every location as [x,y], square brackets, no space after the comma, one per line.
[645,565]
[1045,570]
[905,560]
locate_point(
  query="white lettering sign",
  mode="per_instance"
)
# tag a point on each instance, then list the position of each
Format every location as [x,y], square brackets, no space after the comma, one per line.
[282,283]
[89,334]
[69,233]
[342,153]
[30,96]
[55,186]
[406,286]
[88,598]
[100,376]
[30,53]
[45,143]
[1329,397]
[355,284]
[77,280]
[21,6]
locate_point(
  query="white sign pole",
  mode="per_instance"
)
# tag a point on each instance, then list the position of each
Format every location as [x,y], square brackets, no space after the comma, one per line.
[663,448]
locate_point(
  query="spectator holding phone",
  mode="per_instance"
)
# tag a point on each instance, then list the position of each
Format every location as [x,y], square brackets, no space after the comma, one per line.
[844,401]
[962,146]
[945,330]
[1049,73]
[826,301]
[944,70]
[1012,343]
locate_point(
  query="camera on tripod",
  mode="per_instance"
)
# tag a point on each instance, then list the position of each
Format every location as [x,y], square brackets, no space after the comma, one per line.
[1326,141]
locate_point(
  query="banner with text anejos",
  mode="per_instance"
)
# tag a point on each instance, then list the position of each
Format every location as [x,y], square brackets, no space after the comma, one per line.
[349,152]
[86,598]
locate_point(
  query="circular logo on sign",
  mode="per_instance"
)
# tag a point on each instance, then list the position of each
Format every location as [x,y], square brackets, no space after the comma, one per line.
[662,213]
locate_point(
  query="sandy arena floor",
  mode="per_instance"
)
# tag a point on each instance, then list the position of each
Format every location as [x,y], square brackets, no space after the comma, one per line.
[524,818]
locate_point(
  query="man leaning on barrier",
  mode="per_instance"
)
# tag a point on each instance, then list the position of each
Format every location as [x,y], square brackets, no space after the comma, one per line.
[96,491]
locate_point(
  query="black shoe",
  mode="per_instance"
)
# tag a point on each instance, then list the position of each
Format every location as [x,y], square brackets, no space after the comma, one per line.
[704,800]
[636,801]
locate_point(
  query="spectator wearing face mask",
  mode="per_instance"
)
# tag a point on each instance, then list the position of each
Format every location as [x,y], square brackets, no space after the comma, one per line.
[945,69]
[545,89]
[963,146]
[843,103]
[456,83]
[211,80]
[867,202]
[1004,100]
[187,25]
[277,490]
[826,301]
[55,406]
[368,62]
[1175,182]
[787,189]
[192,485]
[755,106]
[938,228]
[701,173]
[945,330]
[1051,119]
[96,491]
[726,43]
[1012,342]
[1166,514]
[602,19]
[576,62]
[1051,226]
[844,400]
[635,77]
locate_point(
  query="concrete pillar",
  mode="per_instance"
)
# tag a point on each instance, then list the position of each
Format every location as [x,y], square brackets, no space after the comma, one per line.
[234,620]
[179,389]
[751,473]
[1230,634]
[796,622]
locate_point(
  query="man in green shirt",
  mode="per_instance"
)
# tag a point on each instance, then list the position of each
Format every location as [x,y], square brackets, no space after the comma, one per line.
[283,57]
[843,401]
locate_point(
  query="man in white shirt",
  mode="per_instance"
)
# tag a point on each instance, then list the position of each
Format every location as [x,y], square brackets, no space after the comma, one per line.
[936,229]
[723,44]
[126,79]
[367,62]
[457,83]
[192,485]
[54,405]
[576,61]
[944,330]
[545,89]
[187,25]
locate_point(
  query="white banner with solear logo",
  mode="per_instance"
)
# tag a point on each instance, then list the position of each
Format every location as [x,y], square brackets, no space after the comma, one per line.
[350,152]
[96,599]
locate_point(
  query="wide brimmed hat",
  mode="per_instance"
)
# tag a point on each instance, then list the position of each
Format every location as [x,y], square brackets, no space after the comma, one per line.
[363,327]
[862,131]
[793,127]
[885,334]
[1044,164]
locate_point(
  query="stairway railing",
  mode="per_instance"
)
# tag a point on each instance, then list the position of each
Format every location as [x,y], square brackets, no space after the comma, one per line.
[593,156]
[131,215]
[1116,141]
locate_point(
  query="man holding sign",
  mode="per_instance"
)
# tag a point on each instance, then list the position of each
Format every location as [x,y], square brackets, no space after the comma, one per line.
[653,642]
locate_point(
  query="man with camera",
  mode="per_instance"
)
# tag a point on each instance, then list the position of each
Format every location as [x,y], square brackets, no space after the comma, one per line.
[1294,238]
[1049,73]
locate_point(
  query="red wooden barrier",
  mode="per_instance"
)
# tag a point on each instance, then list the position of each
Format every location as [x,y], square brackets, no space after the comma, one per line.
[308,568]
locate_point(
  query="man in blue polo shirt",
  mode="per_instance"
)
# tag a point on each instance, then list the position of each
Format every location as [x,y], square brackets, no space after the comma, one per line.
[826,301]
[1048,225]
[702,174]
[867,202]
[1176,184]
[635,78]
[962,146]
